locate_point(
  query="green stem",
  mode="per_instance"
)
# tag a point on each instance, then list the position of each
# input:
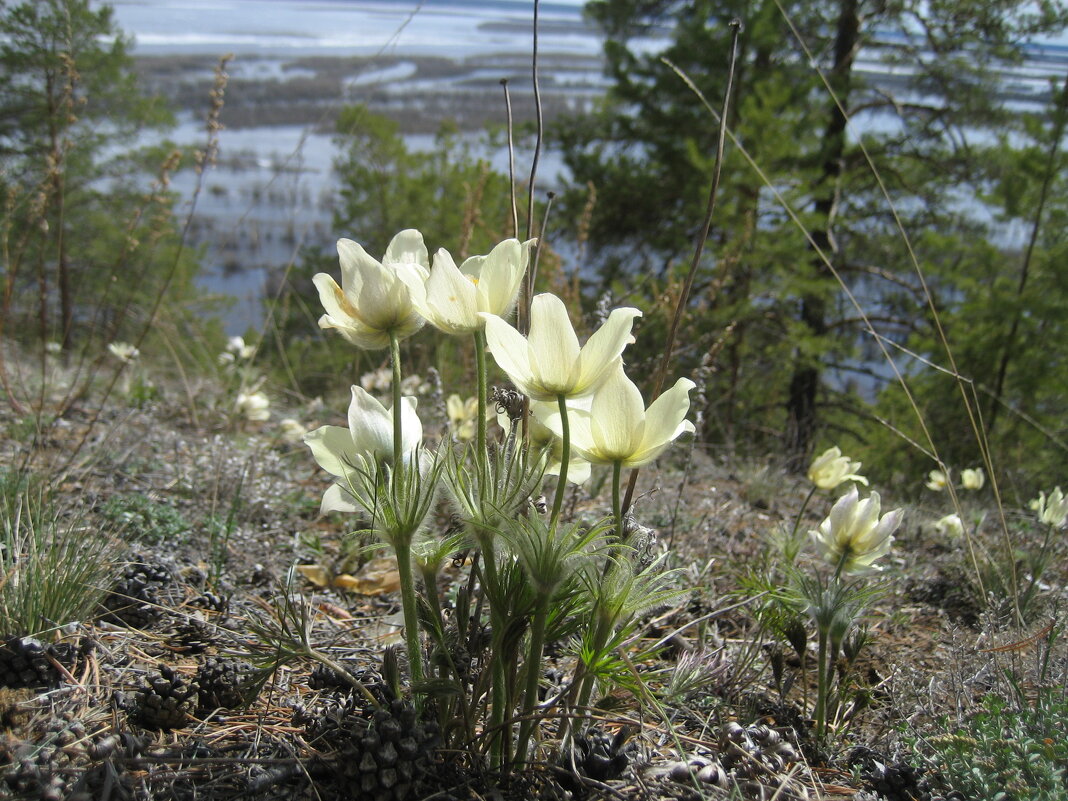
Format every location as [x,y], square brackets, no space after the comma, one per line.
[533,668]
[408,603]
[565,457]
[395,362]
[480,363]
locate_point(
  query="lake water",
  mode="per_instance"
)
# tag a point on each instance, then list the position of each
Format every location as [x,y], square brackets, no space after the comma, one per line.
[272,192]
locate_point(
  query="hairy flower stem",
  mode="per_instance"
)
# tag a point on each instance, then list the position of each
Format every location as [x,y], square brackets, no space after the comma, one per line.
[403,551]
[395,362]
[565,457]
[533,668]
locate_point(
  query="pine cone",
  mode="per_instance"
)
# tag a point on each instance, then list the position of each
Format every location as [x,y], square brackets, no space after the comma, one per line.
[226,683]
[191,635]
[166,700]
[377,755]
[598,755]
[897,781]
[24,662]
[135,600]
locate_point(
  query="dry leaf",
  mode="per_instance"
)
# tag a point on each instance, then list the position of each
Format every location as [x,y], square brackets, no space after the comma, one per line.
[316,574]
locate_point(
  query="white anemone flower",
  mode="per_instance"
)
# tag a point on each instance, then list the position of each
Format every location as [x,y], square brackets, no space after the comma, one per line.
[1052,510]
[253,406]
[373,302]
[950,526]
[937,480]
[972,479]
[549,363]
[124,351]
[463,416]
[618,428]
[831,468]
[452,297]
[853,535]
[367,440]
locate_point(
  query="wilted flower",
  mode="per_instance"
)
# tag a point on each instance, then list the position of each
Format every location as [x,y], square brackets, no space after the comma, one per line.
[831,469]
[124,351]
[253,406]
[618,428]
[369,438]
[937,480]
[853,536]
[373,302]
[463,416]
[549,362]
[452,297]
[972,479]
[291,430]
[949,526]
[1052,511]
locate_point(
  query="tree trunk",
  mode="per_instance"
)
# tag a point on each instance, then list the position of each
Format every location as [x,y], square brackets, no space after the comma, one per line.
[801,405]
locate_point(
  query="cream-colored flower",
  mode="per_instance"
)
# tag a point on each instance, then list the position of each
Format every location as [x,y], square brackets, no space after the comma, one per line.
[1052,510]
[549,362]
[253,406]
[830,469]
[124,351]
[237,346]
[463,416]
[973,478]
[853,536]
[618,428]
[452,297]
[372,301]
[937,480]
[291,430]
[950,526]
[367,440]
[379,380]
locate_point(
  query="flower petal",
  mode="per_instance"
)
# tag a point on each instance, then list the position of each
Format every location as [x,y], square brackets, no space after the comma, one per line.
[407,247]
[370,425]
[332,448]
[510,350]
[604,346]
[554,348]
[618,417]
[665,420]
[411,425]
[338,499]
[500,275]
[451,297]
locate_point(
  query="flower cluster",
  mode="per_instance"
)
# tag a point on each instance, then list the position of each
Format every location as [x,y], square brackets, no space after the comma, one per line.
[580,409]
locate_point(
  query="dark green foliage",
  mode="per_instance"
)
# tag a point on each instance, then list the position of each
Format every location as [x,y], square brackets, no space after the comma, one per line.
[787,359]
[1007,751]
[80,216]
